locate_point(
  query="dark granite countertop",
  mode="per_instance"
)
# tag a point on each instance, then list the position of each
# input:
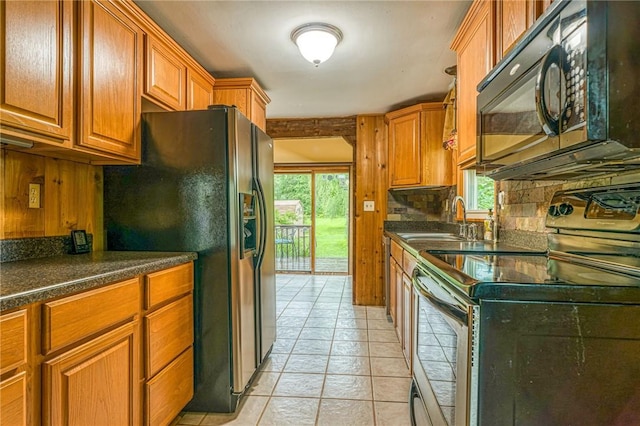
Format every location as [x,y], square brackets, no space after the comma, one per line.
[27,281]
[436,245]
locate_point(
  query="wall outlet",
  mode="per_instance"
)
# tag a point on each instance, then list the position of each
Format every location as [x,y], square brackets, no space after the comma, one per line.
[369,206]
[34,195]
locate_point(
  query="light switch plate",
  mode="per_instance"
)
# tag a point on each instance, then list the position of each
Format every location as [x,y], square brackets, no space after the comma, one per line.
[369,206]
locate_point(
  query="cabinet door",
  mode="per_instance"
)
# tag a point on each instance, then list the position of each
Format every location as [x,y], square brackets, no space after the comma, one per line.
[514,17]
[437,166]
[258,112]
[165,75]
[37,66]
[392,290]
[236,97]
[199,91]
[111,80]
[13,401]
[99,380]
[474,48]
[399,305]
[407,306]
[404,150]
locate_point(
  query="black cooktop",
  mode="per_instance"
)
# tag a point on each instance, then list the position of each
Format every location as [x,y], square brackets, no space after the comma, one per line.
[533,277]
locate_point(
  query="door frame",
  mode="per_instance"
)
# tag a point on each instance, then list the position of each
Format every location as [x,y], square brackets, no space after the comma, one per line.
[312,169]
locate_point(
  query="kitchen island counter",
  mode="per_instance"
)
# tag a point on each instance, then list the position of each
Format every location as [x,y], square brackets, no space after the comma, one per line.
[28,281]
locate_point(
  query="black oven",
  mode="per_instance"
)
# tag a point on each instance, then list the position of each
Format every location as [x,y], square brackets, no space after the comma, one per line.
[562,103]
[444,371]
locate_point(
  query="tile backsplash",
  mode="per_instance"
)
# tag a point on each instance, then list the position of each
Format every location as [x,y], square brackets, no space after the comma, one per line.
[419,204]
[525,202]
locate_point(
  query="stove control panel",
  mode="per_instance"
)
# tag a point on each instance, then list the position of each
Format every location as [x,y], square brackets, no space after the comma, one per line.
[562,209]
[606,209]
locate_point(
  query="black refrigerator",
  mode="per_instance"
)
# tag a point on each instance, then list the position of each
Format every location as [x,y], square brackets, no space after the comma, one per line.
[206,185]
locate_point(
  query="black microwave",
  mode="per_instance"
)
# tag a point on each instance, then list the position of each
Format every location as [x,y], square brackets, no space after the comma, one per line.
[565,102]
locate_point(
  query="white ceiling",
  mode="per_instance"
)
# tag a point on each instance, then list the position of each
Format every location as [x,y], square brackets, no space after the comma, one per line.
[393,53]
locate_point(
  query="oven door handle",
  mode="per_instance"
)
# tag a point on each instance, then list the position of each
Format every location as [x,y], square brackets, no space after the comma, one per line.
[446,308]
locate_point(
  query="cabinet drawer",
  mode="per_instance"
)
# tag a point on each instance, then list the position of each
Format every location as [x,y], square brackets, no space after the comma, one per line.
[396,251]
[164,285]
[168,332]
[170,390]
[73,318]
[408,263]
[13,400]
[13,340]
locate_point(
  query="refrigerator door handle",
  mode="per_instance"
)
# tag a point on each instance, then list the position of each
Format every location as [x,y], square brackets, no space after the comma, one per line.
[262,223]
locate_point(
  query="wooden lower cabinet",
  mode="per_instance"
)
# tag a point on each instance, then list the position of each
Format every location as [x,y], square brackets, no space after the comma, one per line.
[168,347]
[168,332]
[13,400]
[13,340]
[407,310]
[392,289]
[401,266]
[399,304]
[97,381]
[170,390]
[72,318]
[14,406]
[99,357]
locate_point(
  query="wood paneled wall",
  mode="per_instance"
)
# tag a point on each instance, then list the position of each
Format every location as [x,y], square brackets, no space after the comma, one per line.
[370,185]
[71,197]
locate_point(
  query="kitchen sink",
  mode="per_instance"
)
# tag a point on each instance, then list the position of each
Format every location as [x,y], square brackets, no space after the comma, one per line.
[429,236]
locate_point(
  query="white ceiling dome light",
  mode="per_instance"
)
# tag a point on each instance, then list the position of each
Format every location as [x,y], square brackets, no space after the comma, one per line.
[316,41]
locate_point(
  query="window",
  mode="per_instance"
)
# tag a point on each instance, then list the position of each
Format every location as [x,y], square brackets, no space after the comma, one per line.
[478,194]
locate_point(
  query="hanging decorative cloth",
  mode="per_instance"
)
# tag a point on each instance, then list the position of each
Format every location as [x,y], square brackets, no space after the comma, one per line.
[449,134]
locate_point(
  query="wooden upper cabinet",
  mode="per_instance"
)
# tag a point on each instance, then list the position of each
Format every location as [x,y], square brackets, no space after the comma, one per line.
[247,95]
[111,80]
[404,150]
[474,47]
[513,18]
[416,155]
[199,91]
[165,75]
[37,69]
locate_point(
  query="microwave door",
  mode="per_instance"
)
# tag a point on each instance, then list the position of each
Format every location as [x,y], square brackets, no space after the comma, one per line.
[549,91]
[511,129]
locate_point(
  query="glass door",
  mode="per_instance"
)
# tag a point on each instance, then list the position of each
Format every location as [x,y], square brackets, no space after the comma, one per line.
[312,220]
[293,210]
[331,220]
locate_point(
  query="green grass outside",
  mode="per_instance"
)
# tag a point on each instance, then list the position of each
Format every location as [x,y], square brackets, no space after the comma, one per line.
[332,237]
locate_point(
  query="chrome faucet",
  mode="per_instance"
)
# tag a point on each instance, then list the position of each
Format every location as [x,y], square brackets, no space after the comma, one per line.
[454,210]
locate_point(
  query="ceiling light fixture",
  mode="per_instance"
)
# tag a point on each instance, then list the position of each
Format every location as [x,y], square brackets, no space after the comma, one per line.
[316,41]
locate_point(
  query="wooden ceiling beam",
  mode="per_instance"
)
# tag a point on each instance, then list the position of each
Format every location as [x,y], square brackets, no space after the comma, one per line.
[313,128]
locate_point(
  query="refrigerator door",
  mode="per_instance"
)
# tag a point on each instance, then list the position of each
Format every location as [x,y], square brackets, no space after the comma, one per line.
[243,306]
[265,258]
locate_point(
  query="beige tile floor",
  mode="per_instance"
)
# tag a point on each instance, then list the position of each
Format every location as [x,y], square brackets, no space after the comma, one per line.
[332,364]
